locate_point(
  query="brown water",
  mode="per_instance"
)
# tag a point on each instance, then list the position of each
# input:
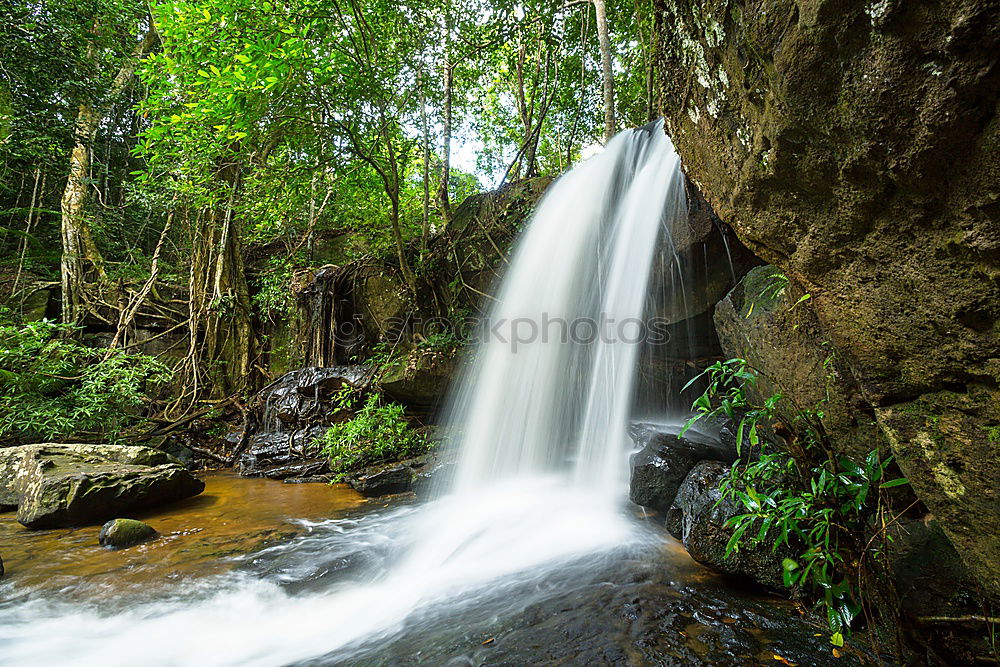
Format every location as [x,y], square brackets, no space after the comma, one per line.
[198,537]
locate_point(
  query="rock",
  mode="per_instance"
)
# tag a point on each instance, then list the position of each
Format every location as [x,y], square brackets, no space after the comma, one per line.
[70,484]
[289,415]
[421,378]
[931,579]
[122,533]
[400,477]
[279,455]
[854,146]
[1,567]
[429,479]
[383,479]
[697,519]
[659,468]
[761,320]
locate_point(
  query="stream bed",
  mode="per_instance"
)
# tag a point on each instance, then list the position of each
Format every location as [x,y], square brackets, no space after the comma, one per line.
[256,572]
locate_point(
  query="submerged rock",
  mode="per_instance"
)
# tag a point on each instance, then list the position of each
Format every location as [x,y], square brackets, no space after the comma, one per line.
[122,533]
[659,468]
[698,520]
[67,485]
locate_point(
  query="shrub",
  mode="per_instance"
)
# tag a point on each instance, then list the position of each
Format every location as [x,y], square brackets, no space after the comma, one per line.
[55,387]
[826,505]
[378,432]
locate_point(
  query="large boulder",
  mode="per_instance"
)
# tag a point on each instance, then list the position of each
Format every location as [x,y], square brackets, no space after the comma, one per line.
[698,519]
[856,146]
[55,485]
[664,461]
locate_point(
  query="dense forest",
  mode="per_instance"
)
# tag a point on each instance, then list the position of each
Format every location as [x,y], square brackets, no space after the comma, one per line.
[215,147]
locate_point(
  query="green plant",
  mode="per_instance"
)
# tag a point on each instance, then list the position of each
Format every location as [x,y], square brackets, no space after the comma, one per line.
[823,507]
[378,432]
[55,387]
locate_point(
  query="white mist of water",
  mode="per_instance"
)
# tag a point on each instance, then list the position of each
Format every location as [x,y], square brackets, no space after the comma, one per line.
[541,431]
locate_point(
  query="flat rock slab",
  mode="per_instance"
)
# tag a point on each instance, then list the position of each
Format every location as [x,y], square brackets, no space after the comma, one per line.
[54,485]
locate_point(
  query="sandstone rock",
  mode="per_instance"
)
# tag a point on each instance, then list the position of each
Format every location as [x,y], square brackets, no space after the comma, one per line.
[854,145]
[70,484]
[763,321]
[123,533]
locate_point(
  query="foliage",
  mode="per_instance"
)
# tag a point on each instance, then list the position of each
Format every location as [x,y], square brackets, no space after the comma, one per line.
[823,507]
[55,387]
[377,432]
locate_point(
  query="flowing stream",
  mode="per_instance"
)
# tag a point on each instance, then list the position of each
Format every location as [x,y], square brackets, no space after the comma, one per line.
[533,521]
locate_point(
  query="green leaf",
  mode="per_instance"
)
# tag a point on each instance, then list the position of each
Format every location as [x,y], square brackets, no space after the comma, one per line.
[899,481]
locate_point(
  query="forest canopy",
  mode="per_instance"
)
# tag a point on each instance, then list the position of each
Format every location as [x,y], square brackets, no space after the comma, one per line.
[217,145]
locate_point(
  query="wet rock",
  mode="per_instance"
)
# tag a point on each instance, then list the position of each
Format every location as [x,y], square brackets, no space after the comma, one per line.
[399,477]
[1,567]
[279,455]
[302,397]
[289,415]
[698,520]
[123,533]
[429,478]
[69,484]
[382,480]
[898,248]
[659,468]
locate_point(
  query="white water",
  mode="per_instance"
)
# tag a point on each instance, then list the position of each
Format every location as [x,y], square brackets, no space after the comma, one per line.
[540,477]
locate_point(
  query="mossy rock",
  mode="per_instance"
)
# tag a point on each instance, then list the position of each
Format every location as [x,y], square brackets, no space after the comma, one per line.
[855,145]
[123,533]
[56,485]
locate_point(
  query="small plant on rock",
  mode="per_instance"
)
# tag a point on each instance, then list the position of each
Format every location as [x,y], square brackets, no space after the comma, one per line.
[378,432]
[832,509]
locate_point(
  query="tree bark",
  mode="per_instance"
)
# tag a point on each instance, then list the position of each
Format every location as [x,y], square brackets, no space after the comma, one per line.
[81,261]
[606,66]
[426,167]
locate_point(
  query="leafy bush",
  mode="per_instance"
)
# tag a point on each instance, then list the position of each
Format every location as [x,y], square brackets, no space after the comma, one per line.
[824,505]
[378,432]
[55,387]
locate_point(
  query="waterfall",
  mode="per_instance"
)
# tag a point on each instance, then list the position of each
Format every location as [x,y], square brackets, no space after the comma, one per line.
[552,380]
[539,421]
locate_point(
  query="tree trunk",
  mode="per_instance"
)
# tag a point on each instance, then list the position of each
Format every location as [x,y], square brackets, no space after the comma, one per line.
[426,168]
[609,80]
[444,198]
[81,261]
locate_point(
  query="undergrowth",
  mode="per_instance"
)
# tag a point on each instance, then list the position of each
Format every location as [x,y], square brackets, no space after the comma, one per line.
[55,387]
[833,511]
[378,432]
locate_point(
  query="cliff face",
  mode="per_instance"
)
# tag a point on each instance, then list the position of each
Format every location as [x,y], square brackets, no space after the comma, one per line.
[856,146]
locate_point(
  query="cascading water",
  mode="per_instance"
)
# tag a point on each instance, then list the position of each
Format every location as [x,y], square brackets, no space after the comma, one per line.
[540,425]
